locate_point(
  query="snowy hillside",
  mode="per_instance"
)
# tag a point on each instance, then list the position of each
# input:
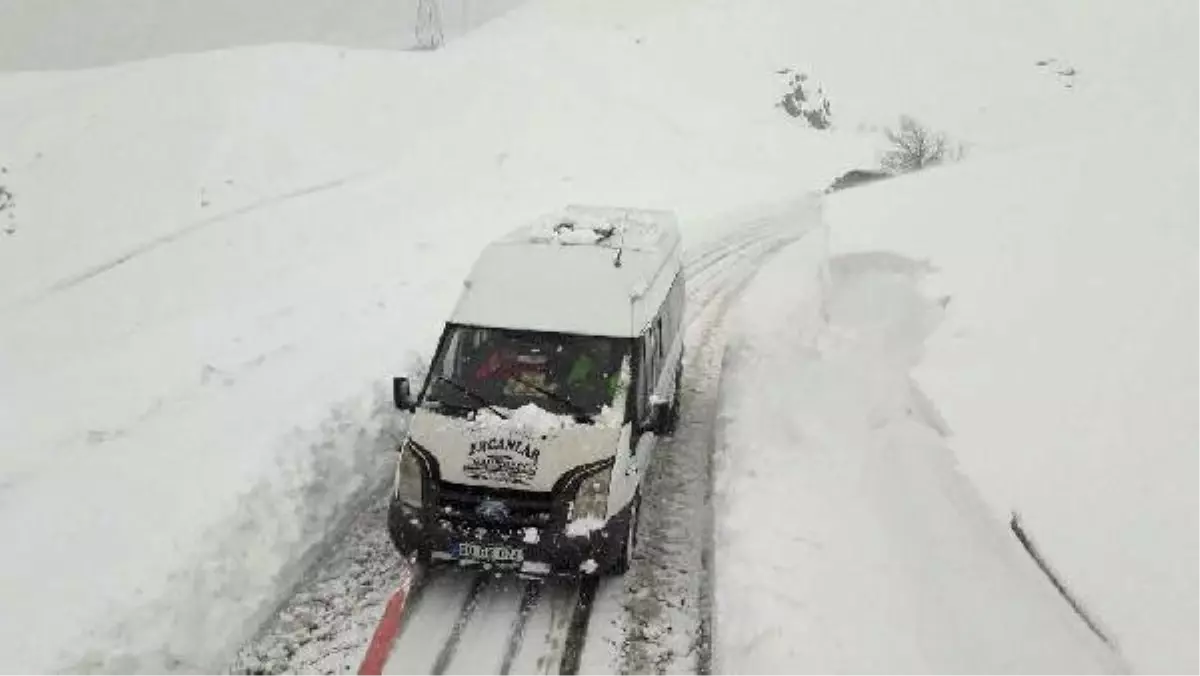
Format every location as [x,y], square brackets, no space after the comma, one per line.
[1065,366]
[879,557]
[219,259]
[1048,377]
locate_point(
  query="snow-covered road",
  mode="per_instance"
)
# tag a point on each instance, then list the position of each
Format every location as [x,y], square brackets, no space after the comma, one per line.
[474,622]
[655,619]
[212,263]
[883,556]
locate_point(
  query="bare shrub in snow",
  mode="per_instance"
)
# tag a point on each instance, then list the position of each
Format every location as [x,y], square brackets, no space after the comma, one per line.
[915,147]
[806,98]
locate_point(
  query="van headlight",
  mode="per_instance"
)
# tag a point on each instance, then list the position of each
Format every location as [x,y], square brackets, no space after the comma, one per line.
[591,499]
[409,488]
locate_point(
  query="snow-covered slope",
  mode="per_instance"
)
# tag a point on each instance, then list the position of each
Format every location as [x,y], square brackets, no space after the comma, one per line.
[1062,372]
[847,540]
[221,258]
[1066,366]
[1066,369]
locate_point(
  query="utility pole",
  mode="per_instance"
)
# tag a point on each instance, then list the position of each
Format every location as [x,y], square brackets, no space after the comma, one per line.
[429,25]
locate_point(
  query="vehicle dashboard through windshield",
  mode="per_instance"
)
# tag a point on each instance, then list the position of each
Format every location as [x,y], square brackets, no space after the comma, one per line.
[480,367]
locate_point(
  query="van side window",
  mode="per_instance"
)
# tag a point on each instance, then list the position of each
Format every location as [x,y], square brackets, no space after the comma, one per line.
[647,370]
[643,378]
[655,344]
[658,337]
[651,358]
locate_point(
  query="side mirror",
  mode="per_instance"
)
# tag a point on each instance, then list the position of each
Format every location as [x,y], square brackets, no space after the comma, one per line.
[402,395]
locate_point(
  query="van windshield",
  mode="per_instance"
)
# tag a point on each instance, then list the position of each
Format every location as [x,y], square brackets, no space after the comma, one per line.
[561,373]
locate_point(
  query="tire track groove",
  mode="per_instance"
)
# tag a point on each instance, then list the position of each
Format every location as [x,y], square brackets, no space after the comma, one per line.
[446,655]
[529,600]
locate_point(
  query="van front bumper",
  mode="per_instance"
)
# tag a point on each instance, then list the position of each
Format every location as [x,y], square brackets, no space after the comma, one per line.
[543,551]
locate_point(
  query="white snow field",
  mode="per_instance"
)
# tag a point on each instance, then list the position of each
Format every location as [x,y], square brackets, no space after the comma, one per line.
[1065,368]
[877,555]
[1014,334]
[219,260]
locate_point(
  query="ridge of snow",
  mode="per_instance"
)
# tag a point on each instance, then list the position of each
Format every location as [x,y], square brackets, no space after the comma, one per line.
[1065,370]
[845,539]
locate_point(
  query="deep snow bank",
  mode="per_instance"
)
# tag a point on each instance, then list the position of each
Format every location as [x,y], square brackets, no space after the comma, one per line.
[221,258]
[846,539]
[1066,366]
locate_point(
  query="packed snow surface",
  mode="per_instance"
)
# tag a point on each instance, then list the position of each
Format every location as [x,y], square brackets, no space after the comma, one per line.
[1065,369]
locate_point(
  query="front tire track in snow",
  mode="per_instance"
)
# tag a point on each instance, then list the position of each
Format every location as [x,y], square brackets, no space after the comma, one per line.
[577,631]
[533,593]
[464,616]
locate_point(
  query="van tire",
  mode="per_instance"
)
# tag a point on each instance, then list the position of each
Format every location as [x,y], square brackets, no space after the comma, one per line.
[419,555]
[624,559]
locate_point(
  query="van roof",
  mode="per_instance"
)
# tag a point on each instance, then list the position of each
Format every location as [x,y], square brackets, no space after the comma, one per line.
[588,270]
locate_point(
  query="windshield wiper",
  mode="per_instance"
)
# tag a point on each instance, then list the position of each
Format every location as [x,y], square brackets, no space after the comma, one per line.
[479,398]
[581,414]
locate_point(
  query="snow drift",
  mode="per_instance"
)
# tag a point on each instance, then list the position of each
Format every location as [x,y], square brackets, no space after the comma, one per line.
[1066,366]
[847,540]
[221,258]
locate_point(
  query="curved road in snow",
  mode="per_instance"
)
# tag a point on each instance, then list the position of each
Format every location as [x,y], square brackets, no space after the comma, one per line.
[658,618]
[653,619]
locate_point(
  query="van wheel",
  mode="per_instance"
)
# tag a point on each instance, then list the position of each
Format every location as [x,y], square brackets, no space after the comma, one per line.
[624,560]
[417,553]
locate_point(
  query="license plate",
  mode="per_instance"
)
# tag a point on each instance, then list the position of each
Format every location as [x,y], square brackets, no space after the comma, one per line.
[469,550]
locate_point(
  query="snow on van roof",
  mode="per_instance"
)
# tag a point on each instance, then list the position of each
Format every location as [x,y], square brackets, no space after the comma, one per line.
[611,227]
[589,270]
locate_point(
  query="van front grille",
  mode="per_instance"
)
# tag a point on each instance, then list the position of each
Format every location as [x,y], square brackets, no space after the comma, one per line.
[516,508]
